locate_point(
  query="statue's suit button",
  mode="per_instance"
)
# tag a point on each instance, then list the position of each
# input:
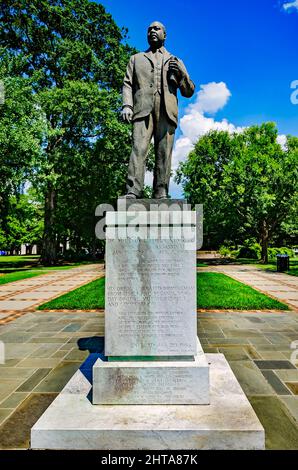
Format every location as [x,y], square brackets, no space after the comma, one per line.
[151,85]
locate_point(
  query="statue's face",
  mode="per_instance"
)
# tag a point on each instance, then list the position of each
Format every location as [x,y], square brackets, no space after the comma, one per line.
[156,34]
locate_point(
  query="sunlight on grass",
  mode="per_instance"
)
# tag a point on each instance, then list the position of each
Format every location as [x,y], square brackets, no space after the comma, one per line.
[88,297]
[18,275]
[215,290]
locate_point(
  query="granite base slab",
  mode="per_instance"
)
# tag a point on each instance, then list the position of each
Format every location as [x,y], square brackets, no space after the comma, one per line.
[229,422]
[152,383]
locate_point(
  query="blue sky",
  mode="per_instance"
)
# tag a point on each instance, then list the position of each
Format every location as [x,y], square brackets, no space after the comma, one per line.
[248,50]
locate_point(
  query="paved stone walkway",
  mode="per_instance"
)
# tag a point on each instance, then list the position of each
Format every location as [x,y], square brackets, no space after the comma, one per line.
[44,349]
[17,298]
[281,286]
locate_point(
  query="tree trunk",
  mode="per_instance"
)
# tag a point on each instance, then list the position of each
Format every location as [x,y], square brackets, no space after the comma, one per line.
[77,243]
[58,247]
[264,242]
[93,250]
[64,245]
[49,252]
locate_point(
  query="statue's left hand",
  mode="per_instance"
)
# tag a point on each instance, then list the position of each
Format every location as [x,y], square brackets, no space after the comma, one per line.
[175,67]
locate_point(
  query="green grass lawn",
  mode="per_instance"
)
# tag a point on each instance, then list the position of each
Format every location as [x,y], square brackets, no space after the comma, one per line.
[87,297]
[19,259]
[15,268]
[271,266]
[18,275]
[18,262]
[22,263]
[215,290]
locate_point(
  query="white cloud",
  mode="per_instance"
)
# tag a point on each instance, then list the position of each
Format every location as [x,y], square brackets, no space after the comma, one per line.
[211,98]
[182,148]
[148,178]
[282,140]
[194,124]
[290,5]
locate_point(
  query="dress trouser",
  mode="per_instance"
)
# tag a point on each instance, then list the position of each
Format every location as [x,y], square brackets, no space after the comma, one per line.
[158,125]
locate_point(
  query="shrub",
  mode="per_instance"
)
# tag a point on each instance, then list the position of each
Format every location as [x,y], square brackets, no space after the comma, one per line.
[272,252]
[224,251]
[252,251]
[228,251]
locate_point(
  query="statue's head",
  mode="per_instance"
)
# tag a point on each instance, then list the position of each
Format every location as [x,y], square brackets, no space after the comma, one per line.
[156,34]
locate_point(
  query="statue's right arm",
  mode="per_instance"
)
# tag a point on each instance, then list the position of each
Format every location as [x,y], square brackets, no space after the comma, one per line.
[127,95]
[186,86]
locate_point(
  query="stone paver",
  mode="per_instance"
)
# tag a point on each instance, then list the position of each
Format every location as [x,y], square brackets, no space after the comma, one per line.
[261,363]
[33,295]
[45,349]
[280,432]
[16,298]
[16,304]
[292,405]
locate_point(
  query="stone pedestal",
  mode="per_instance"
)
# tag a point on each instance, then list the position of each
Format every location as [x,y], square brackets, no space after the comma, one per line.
[154,356]
[73,422]
[154,388]
[152,382]
[150,301]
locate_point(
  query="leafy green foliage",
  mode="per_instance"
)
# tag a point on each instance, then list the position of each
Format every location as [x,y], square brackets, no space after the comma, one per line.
[73,56]
[22,128]
[247,183]
[252,251]
[273,252]
[23,223]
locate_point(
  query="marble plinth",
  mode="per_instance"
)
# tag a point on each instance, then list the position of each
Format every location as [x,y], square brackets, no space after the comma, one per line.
[152,382]
[150,299]
[73,422]
[152,204]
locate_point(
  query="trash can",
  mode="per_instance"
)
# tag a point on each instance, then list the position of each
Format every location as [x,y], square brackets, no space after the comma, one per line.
[282,263]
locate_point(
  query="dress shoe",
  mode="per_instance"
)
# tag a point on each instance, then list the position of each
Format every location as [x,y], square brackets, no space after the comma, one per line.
[160,195]
[128,196]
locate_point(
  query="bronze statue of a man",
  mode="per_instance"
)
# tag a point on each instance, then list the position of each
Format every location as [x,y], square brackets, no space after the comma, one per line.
[150,103]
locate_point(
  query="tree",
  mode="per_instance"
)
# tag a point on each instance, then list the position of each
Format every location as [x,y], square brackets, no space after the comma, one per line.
[22,129]
[24,224]
[247,182]
[202,177]
[74,54]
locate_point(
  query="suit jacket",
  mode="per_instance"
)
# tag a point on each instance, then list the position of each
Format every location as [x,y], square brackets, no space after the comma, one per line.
[138,86]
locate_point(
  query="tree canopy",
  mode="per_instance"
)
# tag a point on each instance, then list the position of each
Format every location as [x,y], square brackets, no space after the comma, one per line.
[70,56]
[62,64]
[247,183]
